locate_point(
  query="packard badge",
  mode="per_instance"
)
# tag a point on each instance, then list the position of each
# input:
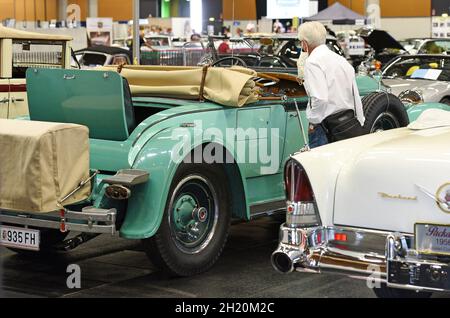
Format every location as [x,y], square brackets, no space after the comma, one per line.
[396,197]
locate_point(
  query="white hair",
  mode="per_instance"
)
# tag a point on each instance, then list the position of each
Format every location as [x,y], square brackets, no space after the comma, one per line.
[313,33]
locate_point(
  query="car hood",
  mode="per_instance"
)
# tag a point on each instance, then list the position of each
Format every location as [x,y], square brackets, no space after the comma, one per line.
[377,181]
[432,91]
[379,40]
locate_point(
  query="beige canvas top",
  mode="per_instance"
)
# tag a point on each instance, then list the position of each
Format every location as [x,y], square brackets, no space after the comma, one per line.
[9,33]
[233,87]
[41,163]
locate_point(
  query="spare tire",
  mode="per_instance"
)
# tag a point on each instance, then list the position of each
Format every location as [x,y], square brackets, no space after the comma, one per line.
[383,111]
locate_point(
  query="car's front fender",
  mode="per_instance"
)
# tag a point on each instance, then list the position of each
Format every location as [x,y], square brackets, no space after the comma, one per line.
[415,111]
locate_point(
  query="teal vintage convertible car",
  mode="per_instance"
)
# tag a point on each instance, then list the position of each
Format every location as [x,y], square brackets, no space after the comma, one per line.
[175,154]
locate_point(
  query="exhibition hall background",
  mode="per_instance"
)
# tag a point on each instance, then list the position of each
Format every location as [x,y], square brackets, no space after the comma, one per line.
[395,15]
[30,10]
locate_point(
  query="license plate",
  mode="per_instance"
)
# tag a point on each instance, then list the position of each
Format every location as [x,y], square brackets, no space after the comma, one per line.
[20,238]
[432,239]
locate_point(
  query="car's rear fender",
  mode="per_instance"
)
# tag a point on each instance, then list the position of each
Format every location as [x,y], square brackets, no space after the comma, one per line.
[148,201]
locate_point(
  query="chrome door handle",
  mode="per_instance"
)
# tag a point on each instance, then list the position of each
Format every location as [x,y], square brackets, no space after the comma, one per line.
[4,101]
[13,100]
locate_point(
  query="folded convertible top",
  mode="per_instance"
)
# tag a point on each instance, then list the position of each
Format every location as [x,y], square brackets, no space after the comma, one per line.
[233,87]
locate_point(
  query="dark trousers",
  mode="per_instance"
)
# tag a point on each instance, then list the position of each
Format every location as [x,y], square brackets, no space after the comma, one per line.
[317,137]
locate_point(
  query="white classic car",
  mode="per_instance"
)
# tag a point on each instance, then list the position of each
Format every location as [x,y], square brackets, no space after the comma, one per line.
[375,207]
[419,78]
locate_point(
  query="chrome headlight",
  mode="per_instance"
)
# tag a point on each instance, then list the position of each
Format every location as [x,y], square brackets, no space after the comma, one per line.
[411,97]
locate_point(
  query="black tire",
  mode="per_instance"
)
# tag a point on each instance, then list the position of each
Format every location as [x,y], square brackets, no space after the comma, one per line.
[383,111]
[168,248]
[49,239]
[445,100]
[386,292]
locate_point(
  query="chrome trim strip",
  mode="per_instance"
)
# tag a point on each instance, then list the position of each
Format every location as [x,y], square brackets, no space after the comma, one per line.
[267,208]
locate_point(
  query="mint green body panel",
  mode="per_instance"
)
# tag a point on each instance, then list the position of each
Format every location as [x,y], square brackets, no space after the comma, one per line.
[76,96]
[367,85]
[416,110]
[163,130]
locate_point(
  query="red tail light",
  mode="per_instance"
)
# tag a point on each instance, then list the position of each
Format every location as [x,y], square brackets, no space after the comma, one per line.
[301,206]
[298,187]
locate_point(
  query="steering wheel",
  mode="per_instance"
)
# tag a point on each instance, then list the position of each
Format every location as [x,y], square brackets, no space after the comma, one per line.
[229,61]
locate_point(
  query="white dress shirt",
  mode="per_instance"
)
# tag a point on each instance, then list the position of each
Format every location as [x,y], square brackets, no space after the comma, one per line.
[330,82]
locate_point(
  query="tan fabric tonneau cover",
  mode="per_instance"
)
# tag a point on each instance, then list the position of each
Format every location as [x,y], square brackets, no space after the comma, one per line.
[41,163]
[233,87]
[9,33]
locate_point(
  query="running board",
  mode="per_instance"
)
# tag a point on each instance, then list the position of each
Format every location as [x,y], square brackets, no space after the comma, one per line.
[267,209]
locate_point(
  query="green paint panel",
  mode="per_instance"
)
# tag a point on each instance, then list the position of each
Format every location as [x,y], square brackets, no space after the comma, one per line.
[91,98]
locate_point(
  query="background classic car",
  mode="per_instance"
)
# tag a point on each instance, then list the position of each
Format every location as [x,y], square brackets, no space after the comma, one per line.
[157,200]
[419,78]
[427,46]
[20,50]
[373,207]
[95,56]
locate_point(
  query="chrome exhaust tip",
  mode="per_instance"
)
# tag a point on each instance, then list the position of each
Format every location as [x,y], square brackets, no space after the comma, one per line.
[285,261]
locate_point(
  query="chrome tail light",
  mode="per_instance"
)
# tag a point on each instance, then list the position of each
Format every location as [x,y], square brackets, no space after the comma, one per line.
[301,203]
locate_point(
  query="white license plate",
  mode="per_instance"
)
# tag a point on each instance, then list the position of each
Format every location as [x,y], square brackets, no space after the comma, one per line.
[432,239]
[20,238]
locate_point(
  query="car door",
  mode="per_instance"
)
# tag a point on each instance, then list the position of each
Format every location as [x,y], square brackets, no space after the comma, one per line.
[4,98]
[260,139]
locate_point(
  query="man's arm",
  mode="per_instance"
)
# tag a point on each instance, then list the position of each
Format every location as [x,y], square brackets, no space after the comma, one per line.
[317,89]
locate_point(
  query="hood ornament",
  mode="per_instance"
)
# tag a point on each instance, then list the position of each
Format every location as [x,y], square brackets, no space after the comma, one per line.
[442,197]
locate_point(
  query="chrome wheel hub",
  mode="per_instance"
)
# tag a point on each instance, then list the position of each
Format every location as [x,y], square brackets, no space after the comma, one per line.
[193,214]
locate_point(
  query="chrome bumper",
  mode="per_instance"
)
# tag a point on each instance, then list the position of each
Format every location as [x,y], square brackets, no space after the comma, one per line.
[89,220]
[382,257]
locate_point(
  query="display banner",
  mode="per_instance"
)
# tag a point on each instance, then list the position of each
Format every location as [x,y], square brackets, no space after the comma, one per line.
[100,31]
[440,27]
[288,9]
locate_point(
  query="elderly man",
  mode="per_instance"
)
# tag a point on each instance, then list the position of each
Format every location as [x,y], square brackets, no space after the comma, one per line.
[330,83]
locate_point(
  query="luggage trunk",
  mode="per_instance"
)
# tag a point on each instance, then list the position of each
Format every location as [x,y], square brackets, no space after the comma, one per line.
[41,163]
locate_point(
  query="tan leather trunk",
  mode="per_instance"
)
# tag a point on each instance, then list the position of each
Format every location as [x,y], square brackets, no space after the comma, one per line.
[41,163]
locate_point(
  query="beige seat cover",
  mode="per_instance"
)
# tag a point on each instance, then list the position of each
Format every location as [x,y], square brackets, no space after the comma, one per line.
[41,163]
[233,87]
